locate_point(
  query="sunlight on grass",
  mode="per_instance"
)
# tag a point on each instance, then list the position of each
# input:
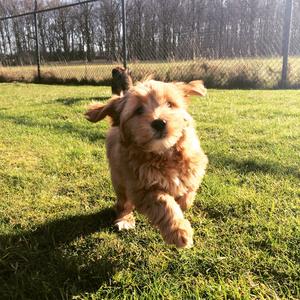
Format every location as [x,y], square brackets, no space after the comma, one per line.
[56,237]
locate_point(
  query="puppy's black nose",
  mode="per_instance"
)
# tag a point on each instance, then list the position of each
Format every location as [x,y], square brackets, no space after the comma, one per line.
[159,125]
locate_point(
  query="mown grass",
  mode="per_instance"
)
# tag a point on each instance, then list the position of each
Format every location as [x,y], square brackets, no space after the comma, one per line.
[56,238]
[217,73]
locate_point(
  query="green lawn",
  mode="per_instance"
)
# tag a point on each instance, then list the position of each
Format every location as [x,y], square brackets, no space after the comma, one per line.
[56,237]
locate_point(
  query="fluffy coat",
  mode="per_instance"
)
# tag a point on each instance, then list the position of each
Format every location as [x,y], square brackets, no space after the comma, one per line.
[155,157]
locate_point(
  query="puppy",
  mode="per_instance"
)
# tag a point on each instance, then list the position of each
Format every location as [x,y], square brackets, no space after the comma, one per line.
[121,80]
[154,154]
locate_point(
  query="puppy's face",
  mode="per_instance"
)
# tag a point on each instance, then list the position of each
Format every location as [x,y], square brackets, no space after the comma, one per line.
[152,115]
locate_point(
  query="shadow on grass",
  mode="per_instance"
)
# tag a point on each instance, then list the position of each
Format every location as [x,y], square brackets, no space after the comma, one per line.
[223,210]
[73,101]
[49,78]
[35,264]
[61,128]
[254,166]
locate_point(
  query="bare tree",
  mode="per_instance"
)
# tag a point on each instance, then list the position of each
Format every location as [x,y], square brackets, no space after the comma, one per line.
[157,30]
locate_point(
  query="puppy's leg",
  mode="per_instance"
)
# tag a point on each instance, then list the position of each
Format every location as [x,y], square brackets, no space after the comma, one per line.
[163,212]
[186,201]
[124,209]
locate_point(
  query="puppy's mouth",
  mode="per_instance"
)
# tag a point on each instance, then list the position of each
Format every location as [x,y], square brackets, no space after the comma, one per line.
[155,137]
[160,135]
[160,142]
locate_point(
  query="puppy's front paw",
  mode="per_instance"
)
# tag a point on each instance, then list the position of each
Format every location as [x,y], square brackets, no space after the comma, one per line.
[124,224]
[181,235]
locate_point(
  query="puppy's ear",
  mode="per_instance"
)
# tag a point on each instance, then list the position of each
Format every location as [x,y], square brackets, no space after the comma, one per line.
[113,109]
[193,88]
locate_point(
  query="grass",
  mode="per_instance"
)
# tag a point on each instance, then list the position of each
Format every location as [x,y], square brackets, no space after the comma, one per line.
[218,73]
[56,238]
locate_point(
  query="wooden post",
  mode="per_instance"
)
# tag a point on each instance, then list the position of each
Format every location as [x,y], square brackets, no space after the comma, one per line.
[286,42]
[37,43]
[124,34]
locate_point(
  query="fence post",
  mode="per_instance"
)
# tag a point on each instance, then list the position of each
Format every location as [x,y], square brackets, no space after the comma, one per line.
[124,34]
[37,44]
[286,42]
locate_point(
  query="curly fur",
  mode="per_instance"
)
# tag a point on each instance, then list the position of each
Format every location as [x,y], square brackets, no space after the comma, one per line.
[153,172]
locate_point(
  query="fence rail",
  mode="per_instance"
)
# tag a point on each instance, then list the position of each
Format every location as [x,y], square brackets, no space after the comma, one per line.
[227,43]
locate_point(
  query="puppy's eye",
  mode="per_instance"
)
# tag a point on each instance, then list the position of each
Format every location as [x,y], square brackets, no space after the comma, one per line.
[170,104]
[139,111]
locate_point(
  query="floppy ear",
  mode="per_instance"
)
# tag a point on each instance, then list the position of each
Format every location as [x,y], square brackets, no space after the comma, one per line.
[113,109]
[193,88]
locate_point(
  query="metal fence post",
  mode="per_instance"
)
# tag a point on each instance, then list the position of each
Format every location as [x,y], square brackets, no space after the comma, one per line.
[124,34]
[37,45]
[286,42]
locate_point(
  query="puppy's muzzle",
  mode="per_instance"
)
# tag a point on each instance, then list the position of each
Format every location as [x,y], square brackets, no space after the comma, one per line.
[159,126]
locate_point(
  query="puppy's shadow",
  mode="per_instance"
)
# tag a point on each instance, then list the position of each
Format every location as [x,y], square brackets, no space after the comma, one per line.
[38,258]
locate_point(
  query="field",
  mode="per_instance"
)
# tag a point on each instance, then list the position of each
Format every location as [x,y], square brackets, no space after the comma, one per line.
[56,237]
[222,73]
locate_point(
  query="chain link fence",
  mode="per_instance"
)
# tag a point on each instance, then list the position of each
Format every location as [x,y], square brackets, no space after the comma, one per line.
[227,43]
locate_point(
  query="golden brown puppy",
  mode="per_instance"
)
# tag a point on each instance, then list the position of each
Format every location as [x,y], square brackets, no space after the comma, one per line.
[155,157]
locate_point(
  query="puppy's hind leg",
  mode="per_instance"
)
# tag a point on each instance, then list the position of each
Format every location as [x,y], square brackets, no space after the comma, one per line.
[164,212]
[124,209]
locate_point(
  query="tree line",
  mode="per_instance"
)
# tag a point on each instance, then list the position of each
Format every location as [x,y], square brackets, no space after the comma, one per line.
[156,30]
